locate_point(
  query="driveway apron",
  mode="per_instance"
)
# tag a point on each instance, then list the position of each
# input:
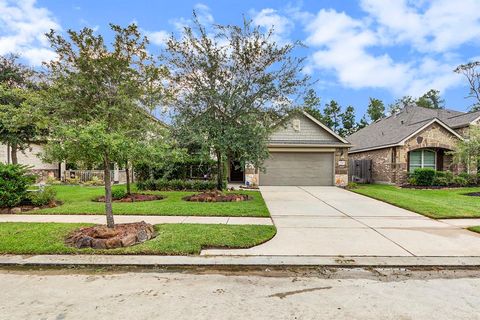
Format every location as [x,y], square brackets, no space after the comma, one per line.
[330,221]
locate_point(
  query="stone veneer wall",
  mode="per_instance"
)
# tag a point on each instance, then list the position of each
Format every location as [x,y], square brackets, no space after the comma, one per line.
[390,165]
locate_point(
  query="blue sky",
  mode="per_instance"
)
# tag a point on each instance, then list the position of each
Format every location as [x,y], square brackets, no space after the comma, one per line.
[355,49]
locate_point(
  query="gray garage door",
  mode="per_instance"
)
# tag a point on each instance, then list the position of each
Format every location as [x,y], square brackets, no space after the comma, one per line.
[298,169]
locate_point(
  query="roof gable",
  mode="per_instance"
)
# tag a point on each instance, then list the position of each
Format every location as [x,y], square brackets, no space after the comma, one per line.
[302,128]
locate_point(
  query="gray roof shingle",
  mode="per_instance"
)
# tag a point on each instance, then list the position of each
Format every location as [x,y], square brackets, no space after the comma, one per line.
[393,129]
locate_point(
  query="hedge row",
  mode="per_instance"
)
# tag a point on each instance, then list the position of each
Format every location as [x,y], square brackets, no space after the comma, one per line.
[177,185]
[431,177]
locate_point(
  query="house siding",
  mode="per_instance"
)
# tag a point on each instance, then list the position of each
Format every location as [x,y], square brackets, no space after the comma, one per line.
[308,131]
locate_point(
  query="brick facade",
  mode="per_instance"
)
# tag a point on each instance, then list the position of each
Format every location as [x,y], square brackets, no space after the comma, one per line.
[390,165]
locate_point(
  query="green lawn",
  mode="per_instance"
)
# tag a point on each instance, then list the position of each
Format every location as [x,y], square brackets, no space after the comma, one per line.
[475,229]
[78,200]
[172,239]
[437,204]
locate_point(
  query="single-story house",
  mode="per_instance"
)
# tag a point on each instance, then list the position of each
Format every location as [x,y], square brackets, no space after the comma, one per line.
[413,138]
[303,152]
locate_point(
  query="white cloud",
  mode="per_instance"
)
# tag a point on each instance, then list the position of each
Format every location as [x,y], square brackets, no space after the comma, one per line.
[158,38]
[22,30]
[270,18]
[358,49]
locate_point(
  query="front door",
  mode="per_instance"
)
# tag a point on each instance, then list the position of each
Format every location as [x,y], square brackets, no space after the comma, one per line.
[236,172]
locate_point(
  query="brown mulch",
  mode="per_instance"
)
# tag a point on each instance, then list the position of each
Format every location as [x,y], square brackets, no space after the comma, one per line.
[216,196]
[472,194]
[28,207]
[134,197]
[102,237]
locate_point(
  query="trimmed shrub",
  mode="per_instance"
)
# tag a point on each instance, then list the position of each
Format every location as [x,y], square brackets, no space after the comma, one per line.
[176,185]
[441,181]
[422,177]
[471,178]
[460,181]
[14,181]
[118,193]
[41,197]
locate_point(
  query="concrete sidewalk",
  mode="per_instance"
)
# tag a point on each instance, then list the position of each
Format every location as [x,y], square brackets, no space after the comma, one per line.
[329,221]
[125,219]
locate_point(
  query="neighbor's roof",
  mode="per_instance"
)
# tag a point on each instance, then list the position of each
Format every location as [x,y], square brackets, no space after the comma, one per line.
[394,129]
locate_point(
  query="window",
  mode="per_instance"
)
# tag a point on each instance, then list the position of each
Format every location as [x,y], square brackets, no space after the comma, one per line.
[422,159]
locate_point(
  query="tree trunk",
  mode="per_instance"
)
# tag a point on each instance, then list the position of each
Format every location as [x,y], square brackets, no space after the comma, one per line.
[219,171]
[13,152]
[108,192]
[127,173]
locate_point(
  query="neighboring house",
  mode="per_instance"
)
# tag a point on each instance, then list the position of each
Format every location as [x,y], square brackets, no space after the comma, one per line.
[303,152]
[413,138]
[30,158]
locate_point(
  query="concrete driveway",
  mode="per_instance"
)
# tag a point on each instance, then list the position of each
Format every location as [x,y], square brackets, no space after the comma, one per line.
[331,221]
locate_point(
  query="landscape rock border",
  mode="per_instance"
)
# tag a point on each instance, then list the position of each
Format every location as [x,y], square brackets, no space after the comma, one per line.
[28,207]
[102,237]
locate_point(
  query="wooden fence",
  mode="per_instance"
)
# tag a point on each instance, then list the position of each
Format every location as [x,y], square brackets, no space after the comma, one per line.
[88,175]
[360,171]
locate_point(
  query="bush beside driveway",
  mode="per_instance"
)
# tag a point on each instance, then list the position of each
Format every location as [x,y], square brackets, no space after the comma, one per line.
[433,203]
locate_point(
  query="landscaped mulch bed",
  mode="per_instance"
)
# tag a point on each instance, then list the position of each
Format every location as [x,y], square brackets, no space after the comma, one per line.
[102,237]
[216,196]
[473,194]
[134,197]
[28,207]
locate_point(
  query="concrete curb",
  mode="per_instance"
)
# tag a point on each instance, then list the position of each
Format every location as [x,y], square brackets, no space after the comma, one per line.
[232,261]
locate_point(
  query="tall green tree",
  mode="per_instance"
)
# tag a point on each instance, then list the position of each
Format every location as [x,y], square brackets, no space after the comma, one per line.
[331,114]
[431,99]
[349,126]
[232,84]
[400,104]
[312,105]
[21,122]
[362,123]
[97,98]
[375,109]
[467,152]
[471,71]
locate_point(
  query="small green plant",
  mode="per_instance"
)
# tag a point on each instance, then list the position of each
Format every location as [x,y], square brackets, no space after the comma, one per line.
[352,185]
[422,177]
[14,181]
[72,180]
[441,181]
[41,197]
[460,181]
[118,193]
[471,178]
[96,181]
[52,181]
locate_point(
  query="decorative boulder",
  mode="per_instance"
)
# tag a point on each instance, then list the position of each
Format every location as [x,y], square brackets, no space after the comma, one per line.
[102,237]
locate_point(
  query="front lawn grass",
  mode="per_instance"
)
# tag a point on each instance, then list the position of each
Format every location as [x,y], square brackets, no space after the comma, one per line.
[437,203]
[172,239]
[78,200]
[474,229]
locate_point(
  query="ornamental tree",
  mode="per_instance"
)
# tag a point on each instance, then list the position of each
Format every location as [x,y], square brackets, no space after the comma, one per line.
[21,122]
[232,85]
[100,98]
